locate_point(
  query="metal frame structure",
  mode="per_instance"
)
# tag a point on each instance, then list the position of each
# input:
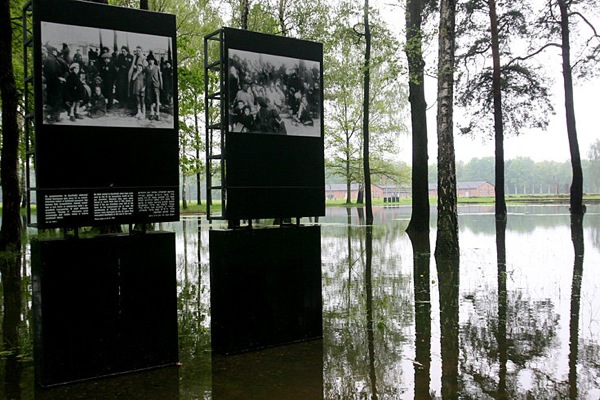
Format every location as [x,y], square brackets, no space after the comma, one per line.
[28,99]
[214,77]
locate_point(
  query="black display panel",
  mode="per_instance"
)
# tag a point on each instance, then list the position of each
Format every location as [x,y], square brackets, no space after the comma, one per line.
[274,135]
[106,113]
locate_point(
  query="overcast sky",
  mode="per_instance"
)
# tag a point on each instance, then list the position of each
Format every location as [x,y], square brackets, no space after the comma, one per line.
[551,144]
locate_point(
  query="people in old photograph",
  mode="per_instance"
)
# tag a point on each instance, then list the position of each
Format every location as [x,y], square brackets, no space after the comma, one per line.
[273,94]
[86,82]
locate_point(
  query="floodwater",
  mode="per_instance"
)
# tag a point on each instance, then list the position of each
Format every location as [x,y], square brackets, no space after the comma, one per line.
[518,317]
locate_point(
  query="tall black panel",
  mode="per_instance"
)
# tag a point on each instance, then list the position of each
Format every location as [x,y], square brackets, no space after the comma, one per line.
[115,168]
[274,146]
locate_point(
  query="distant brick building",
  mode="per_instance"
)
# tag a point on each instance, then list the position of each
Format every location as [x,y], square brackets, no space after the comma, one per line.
[338,191]
[469,189]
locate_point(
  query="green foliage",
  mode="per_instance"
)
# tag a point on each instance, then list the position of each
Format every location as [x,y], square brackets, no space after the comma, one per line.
[592,168]
[477,169]
[523,175]
[344,93]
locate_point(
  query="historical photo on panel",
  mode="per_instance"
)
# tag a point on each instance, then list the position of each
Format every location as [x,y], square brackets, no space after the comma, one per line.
[102,77]
[273,94]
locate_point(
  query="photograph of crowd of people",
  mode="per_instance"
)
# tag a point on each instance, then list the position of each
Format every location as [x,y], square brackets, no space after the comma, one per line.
[273,94]
[103,77]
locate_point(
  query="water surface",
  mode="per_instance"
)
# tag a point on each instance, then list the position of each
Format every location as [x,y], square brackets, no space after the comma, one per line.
[517,318]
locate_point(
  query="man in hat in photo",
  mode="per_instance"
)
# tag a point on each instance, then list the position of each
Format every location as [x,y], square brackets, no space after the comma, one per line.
[108,74]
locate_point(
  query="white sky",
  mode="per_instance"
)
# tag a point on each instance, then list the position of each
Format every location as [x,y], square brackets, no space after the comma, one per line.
[551,144]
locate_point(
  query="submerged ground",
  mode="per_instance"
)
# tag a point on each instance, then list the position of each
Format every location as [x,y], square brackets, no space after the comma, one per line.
[519,320]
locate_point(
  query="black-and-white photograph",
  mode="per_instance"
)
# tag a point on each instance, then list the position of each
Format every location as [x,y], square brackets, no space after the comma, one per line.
[273,94]
[105,77]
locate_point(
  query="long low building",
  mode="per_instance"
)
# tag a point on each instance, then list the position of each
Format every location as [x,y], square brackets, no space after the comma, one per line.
[338,191]
[469,189]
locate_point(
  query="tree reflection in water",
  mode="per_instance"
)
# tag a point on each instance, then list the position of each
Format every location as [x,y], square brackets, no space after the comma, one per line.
[10,267]
[502,305]
[421,278]
[367,313]
[508,331]
[369,306]
[577,238]
[448,278]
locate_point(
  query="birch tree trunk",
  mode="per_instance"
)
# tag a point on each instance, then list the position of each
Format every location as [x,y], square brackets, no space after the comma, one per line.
[447,221]
[245,13]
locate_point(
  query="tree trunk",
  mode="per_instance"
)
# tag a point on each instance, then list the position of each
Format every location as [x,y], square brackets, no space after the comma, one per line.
[184,192]
[281,17]
[577,184]
[245,13]
[23,185]
[10,232]
[348,191]
[143,4]
[498,123]
[366,99]
[447,221]
[419,220]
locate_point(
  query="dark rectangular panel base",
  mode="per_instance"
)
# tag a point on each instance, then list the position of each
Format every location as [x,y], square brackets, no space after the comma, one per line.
[265,287]
[104,305]
[158,383]
[283,372]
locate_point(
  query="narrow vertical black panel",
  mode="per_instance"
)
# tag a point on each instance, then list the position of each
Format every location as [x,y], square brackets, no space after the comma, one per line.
[265,287]
[149,300]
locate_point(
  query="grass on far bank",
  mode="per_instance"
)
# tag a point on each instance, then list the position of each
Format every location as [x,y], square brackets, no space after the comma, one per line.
[510,199]
[194,208]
